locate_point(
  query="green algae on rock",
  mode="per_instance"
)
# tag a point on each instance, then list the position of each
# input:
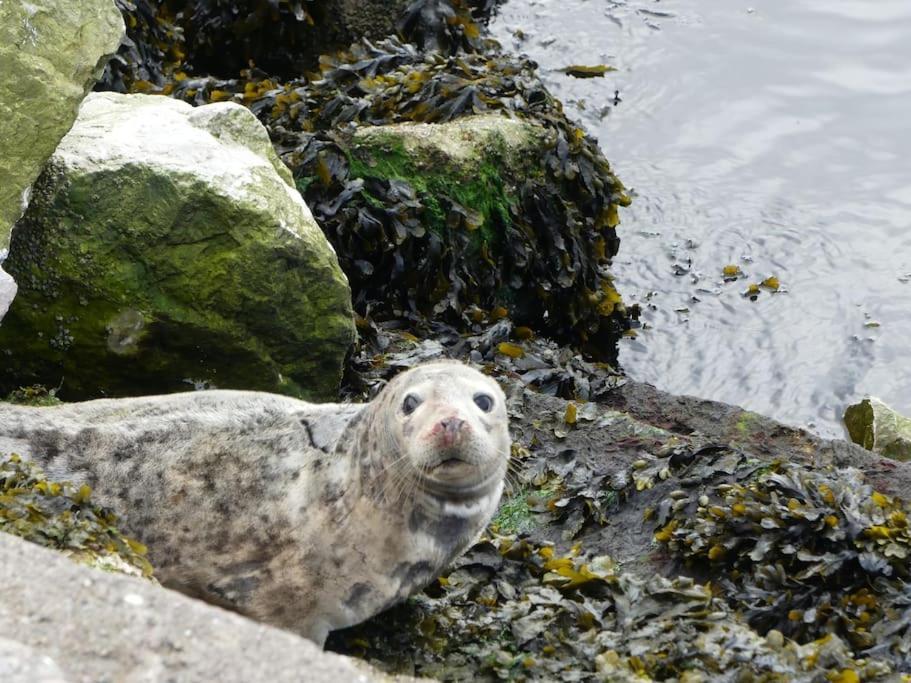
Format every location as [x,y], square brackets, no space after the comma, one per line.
[165,246]
[62,516]
[50,55]
[35,396]
[549,221]
[878,428]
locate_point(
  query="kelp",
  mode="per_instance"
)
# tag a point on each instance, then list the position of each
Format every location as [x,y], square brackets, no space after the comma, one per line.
[62,516]
[808,553]
[152,53]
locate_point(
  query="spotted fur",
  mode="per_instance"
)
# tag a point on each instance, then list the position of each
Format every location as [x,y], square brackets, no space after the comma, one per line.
[309,517]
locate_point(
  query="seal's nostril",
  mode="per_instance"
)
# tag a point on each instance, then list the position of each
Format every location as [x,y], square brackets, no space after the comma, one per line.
[451,424]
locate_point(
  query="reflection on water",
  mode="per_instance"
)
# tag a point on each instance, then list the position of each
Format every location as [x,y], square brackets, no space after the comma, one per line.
[774,136]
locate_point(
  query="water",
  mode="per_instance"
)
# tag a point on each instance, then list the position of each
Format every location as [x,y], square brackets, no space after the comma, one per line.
[773,136]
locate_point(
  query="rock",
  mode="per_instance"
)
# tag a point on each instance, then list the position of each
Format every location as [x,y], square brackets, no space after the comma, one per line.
[51,52]
[466,206]
[878,428]
[166,247]
[20,662]
[99,626]
[462,147]
[8,290]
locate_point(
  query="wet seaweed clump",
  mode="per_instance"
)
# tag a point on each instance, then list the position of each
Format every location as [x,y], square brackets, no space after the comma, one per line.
[511,609]
[421,238]
[62,516]
[36,396]
[805,552]
[170,40]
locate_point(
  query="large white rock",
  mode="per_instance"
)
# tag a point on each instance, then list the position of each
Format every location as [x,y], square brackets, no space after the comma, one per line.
[165,246]
[51,52]
[60,621]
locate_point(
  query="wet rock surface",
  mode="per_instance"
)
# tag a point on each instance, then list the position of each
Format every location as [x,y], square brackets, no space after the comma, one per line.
[165,247]
[877,427]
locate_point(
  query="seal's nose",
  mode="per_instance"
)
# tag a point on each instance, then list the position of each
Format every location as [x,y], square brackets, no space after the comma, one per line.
[450,429]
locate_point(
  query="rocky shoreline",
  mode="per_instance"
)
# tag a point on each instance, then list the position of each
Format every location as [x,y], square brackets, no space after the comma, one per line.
[311,219]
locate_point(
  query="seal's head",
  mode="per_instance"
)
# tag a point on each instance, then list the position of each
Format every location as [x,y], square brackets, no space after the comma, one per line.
[451,428]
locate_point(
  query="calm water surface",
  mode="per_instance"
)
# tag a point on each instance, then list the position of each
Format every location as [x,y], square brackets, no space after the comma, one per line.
[775,136]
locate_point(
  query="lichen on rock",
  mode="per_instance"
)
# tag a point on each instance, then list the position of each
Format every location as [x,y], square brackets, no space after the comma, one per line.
[51,52]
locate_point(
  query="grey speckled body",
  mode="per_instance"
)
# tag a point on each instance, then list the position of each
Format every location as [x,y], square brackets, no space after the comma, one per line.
[309,517]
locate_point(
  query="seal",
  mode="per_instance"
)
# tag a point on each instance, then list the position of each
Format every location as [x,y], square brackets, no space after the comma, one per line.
[310,517]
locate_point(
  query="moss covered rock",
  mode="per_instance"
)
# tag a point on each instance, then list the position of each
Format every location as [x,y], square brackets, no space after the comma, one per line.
[878,428]
[166,245]
[51,52]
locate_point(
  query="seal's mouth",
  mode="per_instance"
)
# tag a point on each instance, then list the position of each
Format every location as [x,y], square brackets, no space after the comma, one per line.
[456,471]
[452,463]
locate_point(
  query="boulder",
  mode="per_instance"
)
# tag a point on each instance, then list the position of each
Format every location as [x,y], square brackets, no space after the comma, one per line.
[7,291]
[63,622]
[878,428]
[51,52]
[165,247]
[462,147]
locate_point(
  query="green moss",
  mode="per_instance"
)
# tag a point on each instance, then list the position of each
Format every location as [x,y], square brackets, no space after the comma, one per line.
[152,296]
[746,423]
[477,186]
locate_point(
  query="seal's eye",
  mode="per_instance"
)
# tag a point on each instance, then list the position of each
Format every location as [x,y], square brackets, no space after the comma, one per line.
[410,403]
[484,402]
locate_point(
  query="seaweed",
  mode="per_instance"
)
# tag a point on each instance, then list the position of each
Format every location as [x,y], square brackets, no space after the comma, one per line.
[545,254]
[806,552]
[35,396]
[167,40]
[62,516]
[540,597]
